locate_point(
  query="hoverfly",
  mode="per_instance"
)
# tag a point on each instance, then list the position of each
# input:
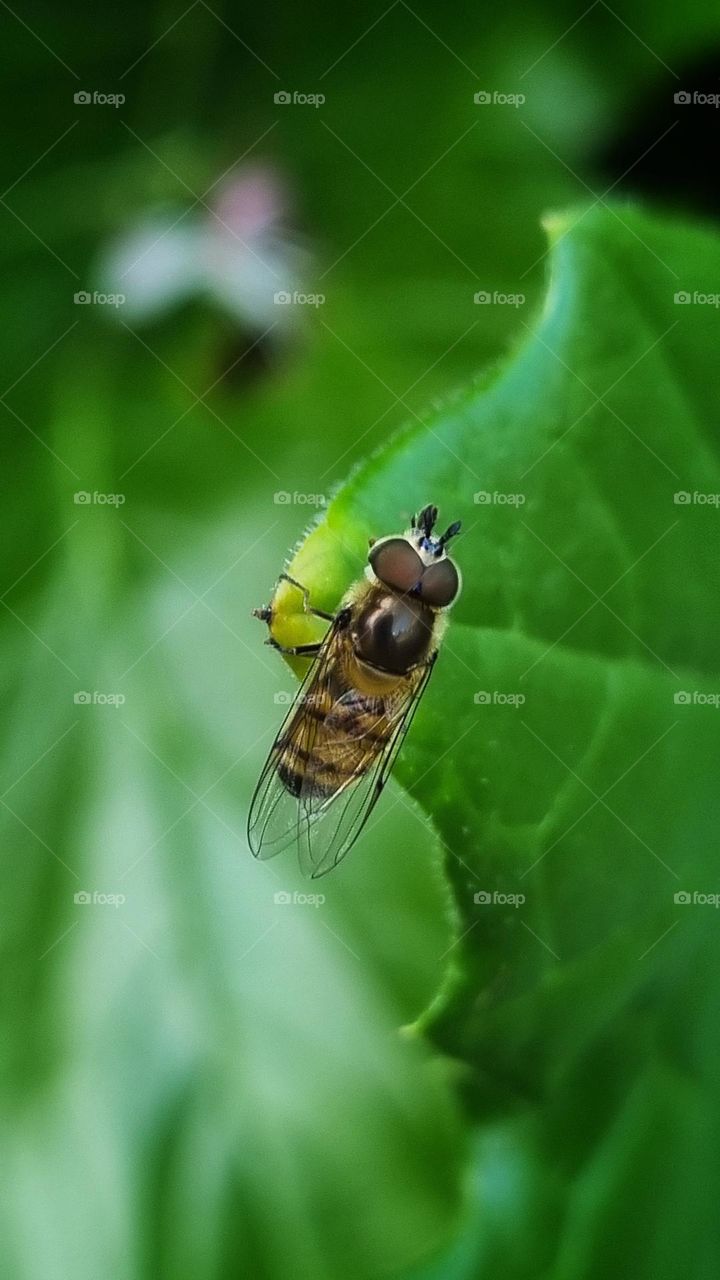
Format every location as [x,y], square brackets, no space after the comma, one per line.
[336,748]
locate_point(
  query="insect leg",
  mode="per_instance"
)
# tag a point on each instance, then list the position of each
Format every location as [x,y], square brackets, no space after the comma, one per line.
[296,651]
[307,607]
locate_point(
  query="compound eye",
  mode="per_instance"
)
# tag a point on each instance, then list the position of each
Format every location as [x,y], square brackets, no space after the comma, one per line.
[396,563]
[440,584]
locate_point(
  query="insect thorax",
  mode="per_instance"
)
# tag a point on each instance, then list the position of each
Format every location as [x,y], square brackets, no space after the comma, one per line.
[392,632]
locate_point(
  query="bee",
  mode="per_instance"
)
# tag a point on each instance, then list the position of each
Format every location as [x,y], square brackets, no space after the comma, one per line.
[333,755]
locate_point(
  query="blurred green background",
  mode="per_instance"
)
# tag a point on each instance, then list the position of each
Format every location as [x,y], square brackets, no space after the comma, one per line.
[199,1080]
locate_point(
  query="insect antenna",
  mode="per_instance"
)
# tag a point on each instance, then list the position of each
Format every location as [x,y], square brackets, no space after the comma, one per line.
[451,531]
[425,520]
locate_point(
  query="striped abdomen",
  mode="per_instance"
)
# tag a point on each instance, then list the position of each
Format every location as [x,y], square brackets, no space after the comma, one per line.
[336,733]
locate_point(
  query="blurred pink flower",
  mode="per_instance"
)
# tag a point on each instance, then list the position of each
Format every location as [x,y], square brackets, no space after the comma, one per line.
[236,252]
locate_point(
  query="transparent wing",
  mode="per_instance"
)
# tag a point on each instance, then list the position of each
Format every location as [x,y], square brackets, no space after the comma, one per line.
[322,844]
[288,806]
[277,818]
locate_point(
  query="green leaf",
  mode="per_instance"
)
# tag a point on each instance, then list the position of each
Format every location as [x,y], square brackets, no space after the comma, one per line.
[579,791]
